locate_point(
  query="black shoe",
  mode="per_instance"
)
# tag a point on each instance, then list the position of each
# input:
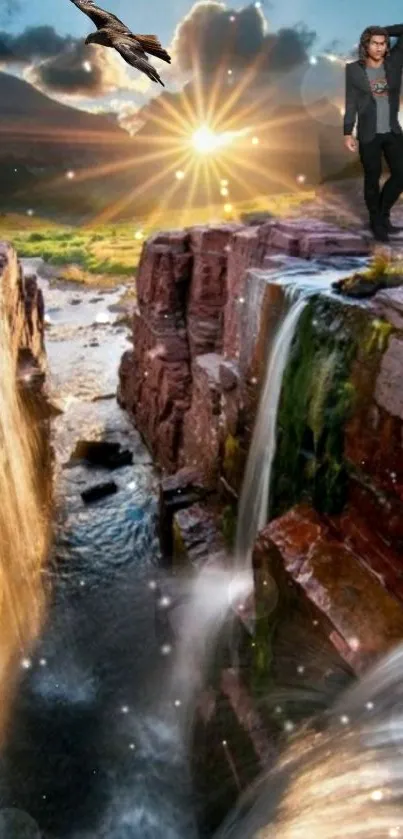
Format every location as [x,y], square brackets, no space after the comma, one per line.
[380,233]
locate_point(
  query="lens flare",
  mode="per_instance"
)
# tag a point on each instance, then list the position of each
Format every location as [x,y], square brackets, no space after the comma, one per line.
[207,141]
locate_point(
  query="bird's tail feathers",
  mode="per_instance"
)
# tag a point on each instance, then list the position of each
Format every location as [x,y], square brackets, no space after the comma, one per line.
[155,77]
[153,46]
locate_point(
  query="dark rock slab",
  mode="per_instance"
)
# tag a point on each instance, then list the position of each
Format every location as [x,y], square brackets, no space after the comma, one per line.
[177,492]
[95,493]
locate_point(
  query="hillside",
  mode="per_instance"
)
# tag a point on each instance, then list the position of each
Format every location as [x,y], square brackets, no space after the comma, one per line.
[42,139]
[28,114]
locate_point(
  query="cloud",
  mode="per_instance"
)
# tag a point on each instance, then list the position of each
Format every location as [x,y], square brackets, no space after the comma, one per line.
[65,65]
[128,115]
[212,33]
[35,43]
[6,54]
[80,71]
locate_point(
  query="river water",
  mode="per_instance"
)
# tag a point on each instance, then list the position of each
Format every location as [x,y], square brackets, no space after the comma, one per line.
[93,748]
[96,746]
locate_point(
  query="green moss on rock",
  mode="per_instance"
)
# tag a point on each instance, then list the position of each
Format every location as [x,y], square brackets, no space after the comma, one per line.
[233,461]
[228,525]
[378,335]
[318,396]
[179,547]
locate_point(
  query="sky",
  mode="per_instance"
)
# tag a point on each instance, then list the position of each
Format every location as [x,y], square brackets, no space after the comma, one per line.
[344,19]
[57,61]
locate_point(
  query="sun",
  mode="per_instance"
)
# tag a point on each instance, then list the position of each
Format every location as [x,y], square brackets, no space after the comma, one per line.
[213,142]
[205,141]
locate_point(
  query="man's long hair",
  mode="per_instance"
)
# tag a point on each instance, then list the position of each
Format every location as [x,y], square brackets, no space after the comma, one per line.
[366,36]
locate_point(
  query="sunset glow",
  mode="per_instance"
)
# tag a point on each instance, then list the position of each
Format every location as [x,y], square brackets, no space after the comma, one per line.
[207,141]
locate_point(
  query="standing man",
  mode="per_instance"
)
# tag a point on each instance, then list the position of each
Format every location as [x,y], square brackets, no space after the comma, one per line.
[373,93]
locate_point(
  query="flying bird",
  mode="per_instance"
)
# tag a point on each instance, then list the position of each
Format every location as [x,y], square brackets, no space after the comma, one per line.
[113,33]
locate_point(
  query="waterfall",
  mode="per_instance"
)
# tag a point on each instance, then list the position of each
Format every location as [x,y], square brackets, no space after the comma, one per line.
[254,500]
[210,598]
[340,776]
[23,525]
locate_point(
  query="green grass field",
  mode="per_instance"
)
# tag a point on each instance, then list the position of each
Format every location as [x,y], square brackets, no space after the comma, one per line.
[104,255]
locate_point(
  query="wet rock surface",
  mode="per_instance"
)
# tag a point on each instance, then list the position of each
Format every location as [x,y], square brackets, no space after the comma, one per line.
[363,620]
[197,538]
[193,378]
[191,319]
[81,381]
[86,689]
[23,304]
[177,492]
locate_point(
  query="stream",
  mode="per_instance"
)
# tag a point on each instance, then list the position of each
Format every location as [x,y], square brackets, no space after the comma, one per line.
[97,744]
[93,749]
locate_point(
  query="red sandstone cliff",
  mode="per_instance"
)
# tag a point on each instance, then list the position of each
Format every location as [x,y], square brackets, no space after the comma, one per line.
[191,384]
[22,302]
[179,382]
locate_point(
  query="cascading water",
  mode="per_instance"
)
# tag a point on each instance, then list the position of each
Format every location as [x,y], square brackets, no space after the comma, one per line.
[254,501]
[342,776]
[24,530]
[211,597]
[99,741]
[300,284]
[107,689]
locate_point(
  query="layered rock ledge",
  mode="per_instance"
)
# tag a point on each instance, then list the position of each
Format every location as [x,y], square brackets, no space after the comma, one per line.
[358,616]
[181,380]
[206,313]
[21,302]
[22,307]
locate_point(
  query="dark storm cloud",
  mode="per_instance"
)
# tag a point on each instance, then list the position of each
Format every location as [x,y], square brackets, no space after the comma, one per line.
[62,64]
[80,70]
[211,33]
[6,53]
[35,43]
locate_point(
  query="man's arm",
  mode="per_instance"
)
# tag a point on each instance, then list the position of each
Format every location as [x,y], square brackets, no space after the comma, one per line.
[350,110]
[396,31]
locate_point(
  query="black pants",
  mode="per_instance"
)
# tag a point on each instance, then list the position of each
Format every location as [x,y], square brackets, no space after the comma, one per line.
[379,202]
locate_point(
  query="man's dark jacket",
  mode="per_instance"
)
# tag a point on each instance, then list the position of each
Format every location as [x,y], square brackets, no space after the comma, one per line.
[359,98]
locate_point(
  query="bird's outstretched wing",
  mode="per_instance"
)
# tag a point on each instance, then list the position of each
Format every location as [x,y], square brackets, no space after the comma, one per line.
[132,52]
[100,17]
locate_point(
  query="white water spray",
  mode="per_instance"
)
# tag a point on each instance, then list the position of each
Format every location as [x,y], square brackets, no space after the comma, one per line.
[254,501]
[212,596]
[342,776]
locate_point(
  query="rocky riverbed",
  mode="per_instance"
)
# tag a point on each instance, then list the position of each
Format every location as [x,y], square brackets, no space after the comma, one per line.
[86,334]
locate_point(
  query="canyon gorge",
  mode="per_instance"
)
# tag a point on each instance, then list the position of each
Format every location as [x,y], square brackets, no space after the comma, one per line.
[245,361]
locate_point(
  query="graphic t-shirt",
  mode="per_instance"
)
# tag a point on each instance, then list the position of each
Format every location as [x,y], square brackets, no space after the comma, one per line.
[379,87]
